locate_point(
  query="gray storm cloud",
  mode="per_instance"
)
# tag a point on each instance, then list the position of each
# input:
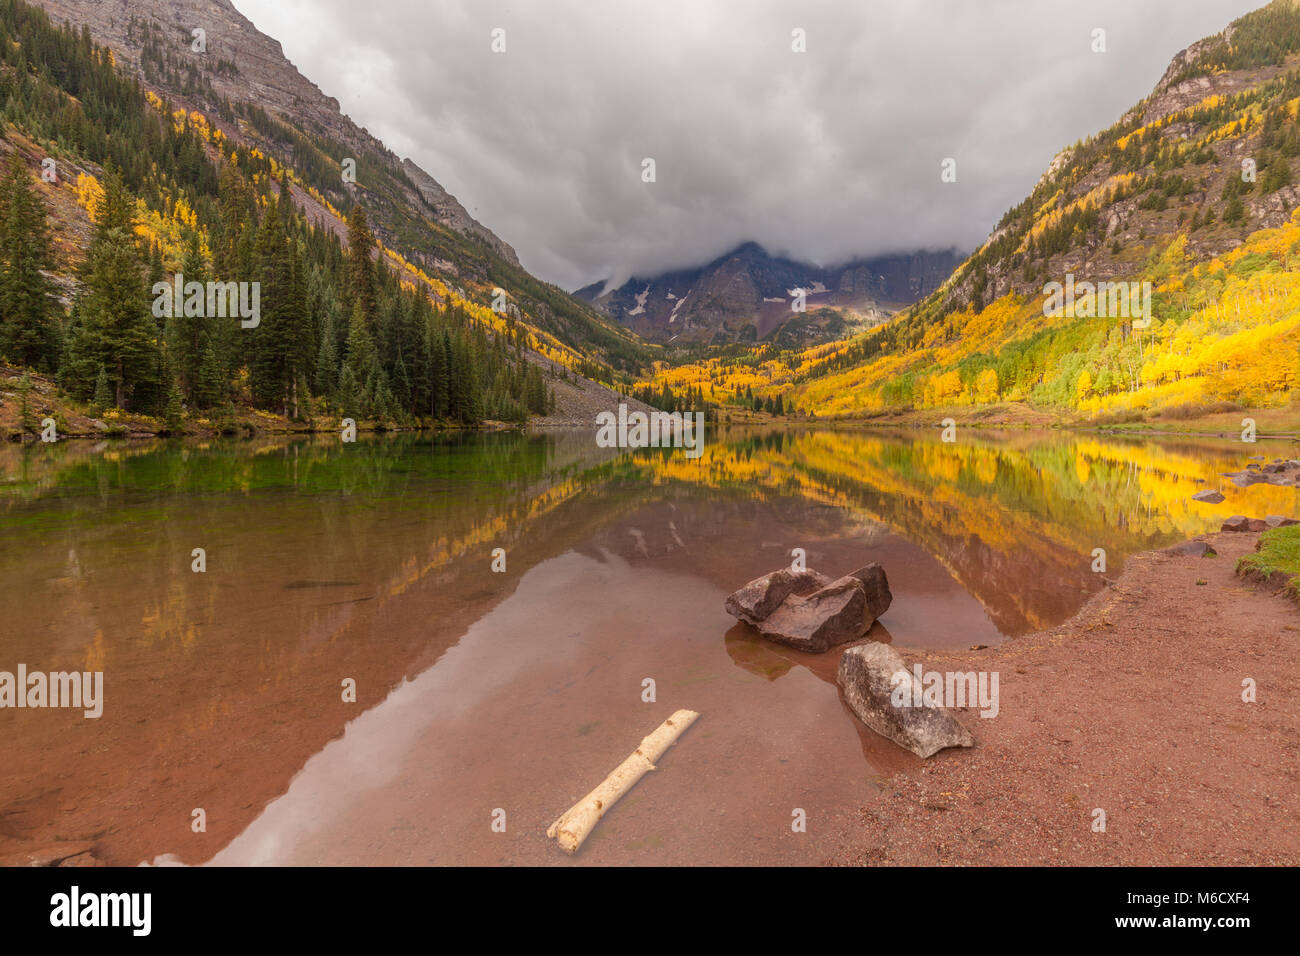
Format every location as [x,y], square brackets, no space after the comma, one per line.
[824,155]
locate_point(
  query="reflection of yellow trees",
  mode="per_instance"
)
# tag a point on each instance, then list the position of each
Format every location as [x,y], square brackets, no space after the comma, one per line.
[1048,501]
[492,530]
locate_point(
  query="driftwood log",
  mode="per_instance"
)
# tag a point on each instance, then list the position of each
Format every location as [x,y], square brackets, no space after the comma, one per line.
[576,824]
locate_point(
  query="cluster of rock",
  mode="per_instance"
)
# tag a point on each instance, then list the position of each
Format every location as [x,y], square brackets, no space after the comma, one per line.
[1242,523]
[812,612]
[809,611]
[1195,549]
[1279,471]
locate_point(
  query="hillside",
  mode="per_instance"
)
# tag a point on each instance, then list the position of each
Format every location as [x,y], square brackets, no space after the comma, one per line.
[746,295]
[246,88]
[243,65]
[382,300]
[254,95]
[1191,190]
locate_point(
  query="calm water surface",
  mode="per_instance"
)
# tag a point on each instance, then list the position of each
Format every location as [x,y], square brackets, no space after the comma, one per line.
[516,691]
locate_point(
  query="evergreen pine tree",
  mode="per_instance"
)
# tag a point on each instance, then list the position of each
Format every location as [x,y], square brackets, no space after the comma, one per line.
[439,374]
[401,386]
[270,372]
[349,395]
[327,362]
[103,391]
[361,268]
[1236,211]
[210,389]
[187,336]
[28,332]
[174,418]
[118,329]
[360,366]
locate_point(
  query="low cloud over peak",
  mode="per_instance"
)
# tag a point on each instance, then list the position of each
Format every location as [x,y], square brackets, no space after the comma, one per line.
[824,155]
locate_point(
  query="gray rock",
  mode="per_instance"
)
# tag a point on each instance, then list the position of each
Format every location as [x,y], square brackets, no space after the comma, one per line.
[1279,521]
[867,677]
[876,585]
[1285,473]
[1196,549]
[1213,497]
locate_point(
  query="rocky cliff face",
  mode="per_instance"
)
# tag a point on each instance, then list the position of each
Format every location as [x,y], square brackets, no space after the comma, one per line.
[747,295]
[245,65]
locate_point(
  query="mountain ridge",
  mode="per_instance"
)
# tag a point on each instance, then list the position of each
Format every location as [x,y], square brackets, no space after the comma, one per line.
[245,87]
[1193,190]
[746,294]
[261,73]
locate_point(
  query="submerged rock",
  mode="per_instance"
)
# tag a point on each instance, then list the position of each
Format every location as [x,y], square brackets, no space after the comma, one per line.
[809,611]
[1197,549]
[1277,472]
[869,675]
[1242,523]
[1213,497]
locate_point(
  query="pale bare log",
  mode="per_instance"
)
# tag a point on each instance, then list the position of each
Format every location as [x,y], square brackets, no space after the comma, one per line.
[576,824]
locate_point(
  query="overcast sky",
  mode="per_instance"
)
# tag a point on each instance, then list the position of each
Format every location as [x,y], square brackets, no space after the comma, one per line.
[824,155]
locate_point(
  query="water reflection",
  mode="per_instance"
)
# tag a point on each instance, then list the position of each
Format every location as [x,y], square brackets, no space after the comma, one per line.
[371,561]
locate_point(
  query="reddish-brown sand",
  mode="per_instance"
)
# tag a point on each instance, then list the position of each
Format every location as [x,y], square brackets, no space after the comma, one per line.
[1135,707]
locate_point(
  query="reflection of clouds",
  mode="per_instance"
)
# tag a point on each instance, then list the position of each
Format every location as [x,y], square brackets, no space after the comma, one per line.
[371,754]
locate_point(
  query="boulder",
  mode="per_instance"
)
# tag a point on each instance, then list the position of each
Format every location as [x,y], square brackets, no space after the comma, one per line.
[808,611]
[869,674]
[1213,497]
[876,585]
[836,614]
[1196,549]
[1279,521]
[761,596]
[1242,523]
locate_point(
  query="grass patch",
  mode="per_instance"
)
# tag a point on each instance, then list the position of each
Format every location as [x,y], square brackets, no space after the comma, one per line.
[1277,560]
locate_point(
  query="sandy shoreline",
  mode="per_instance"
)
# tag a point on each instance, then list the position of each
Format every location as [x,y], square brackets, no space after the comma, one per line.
[1133,706]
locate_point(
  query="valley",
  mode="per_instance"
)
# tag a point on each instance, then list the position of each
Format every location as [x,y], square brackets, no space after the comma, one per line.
[376,540]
